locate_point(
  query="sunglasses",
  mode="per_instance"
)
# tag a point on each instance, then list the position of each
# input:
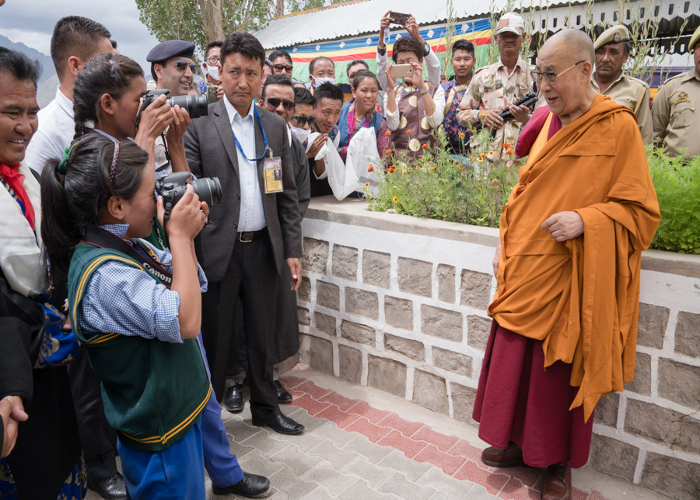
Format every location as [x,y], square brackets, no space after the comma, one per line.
[275,102]
[182,66]
[303,120]
[282,67]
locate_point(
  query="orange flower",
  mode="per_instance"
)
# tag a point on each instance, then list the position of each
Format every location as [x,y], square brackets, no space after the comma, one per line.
[387,152]
[461,135]
[395,199]
[409,131]
[494,181]
[370,168]
[510,151]
[392,169]
[506,145]
[424,146]
[482,115]
[387,133]
[410,170]
[481,155]
[455,162]
[432,168]
[481,158]
[366,184]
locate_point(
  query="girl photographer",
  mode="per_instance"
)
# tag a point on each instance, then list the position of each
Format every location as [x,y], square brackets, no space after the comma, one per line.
[106,98]
[135,308]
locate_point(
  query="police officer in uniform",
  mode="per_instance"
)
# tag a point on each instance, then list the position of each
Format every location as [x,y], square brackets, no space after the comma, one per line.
[612,49]
[675,117]
[173,68]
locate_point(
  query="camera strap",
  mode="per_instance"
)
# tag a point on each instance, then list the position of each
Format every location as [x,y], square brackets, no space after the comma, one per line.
[104,239]
[238,144]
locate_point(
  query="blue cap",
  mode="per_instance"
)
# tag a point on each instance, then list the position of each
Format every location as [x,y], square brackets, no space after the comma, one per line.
[170,48]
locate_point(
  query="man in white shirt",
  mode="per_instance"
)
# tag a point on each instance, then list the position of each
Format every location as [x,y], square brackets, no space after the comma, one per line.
[74,42]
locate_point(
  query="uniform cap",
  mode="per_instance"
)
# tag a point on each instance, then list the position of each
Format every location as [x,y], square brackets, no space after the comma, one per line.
[170,48]
[510,22]
[616,34]
[694,39]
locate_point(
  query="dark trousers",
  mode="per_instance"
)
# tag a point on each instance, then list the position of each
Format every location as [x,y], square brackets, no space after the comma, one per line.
[98,439]
[252,276]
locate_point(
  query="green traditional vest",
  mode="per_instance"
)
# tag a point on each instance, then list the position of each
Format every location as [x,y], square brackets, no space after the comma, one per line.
[153,391]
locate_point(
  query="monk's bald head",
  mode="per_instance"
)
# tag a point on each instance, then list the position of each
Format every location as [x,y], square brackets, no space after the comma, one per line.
[564,68]
[576,44]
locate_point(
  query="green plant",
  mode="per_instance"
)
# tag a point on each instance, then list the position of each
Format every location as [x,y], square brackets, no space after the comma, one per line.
[438,185]
[677,184]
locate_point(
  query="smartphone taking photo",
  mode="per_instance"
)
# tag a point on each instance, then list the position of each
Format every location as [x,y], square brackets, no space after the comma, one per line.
[401,71]
[399,18]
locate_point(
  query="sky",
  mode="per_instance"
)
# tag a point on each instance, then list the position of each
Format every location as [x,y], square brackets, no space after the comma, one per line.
[31,22]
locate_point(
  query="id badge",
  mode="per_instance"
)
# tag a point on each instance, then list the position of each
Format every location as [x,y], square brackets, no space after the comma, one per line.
[272,172]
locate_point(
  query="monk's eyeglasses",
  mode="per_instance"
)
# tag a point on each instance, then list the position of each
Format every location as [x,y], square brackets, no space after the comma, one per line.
[551,76]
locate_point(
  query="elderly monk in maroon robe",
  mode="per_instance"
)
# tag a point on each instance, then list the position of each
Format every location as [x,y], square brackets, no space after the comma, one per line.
[568,263]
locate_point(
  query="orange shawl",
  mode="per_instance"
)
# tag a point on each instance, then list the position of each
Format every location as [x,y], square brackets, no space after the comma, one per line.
[581,298]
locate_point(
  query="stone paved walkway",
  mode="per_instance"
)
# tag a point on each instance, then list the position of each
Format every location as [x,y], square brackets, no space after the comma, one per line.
[353,449]
[364,444]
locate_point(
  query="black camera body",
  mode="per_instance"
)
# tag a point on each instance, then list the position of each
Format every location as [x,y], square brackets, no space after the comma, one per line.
[172,187]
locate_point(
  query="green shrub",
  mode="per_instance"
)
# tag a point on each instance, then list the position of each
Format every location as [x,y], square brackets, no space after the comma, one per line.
[436,185]
[474,191]
[677,184]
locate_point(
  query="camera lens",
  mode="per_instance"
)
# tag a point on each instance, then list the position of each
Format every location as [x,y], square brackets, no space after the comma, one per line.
[208,189]
[196,105]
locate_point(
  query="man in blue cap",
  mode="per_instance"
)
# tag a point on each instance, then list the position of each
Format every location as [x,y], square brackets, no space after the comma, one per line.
[172,66]
[173,69]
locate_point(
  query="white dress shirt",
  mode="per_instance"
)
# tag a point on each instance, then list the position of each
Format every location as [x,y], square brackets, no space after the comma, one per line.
[252,216]
[54,135]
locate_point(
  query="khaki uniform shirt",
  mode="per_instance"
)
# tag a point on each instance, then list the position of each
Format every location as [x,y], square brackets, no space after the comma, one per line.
[675,114]
[634,94]
[493,88]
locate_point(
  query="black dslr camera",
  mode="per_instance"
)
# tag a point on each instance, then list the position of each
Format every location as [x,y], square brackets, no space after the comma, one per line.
[172,187]
[196,105]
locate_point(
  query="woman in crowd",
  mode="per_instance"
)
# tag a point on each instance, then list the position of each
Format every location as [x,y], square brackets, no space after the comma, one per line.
[414,107]
[362,113]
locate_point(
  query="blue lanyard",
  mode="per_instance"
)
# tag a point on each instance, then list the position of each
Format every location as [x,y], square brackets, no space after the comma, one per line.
[238,144]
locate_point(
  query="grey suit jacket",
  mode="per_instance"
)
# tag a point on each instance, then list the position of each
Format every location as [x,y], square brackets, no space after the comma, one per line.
[211,152]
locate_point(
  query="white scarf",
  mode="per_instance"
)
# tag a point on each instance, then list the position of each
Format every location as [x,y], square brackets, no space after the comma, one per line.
[20,251]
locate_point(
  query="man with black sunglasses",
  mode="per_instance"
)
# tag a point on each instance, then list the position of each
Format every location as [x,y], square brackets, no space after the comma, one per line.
[172,68]
[281,63]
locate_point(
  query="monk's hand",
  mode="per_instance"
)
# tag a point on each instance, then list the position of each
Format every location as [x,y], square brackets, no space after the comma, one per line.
[496,259]
[564,226]
[491,118]
[520,113]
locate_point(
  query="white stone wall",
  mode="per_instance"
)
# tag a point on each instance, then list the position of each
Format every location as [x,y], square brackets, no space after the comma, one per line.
[399,304]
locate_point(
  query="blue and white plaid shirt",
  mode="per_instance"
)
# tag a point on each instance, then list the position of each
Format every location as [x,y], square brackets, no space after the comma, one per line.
[125,300]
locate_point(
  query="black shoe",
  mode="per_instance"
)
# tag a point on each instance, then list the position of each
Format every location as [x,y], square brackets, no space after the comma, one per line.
[279,423]
[251,486]
[282,395]
[234,398]
[111,489]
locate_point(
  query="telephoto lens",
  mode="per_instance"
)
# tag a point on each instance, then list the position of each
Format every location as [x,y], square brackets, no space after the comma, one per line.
[196,105]
[208,189]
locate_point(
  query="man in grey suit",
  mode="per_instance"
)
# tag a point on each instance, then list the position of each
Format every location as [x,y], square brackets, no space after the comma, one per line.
[253,232]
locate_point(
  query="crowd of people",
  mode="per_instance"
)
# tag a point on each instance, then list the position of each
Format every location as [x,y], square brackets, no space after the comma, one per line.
[127,316]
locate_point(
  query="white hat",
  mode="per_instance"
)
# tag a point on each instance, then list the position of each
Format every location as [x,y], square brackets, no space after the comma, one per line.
[510,22]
